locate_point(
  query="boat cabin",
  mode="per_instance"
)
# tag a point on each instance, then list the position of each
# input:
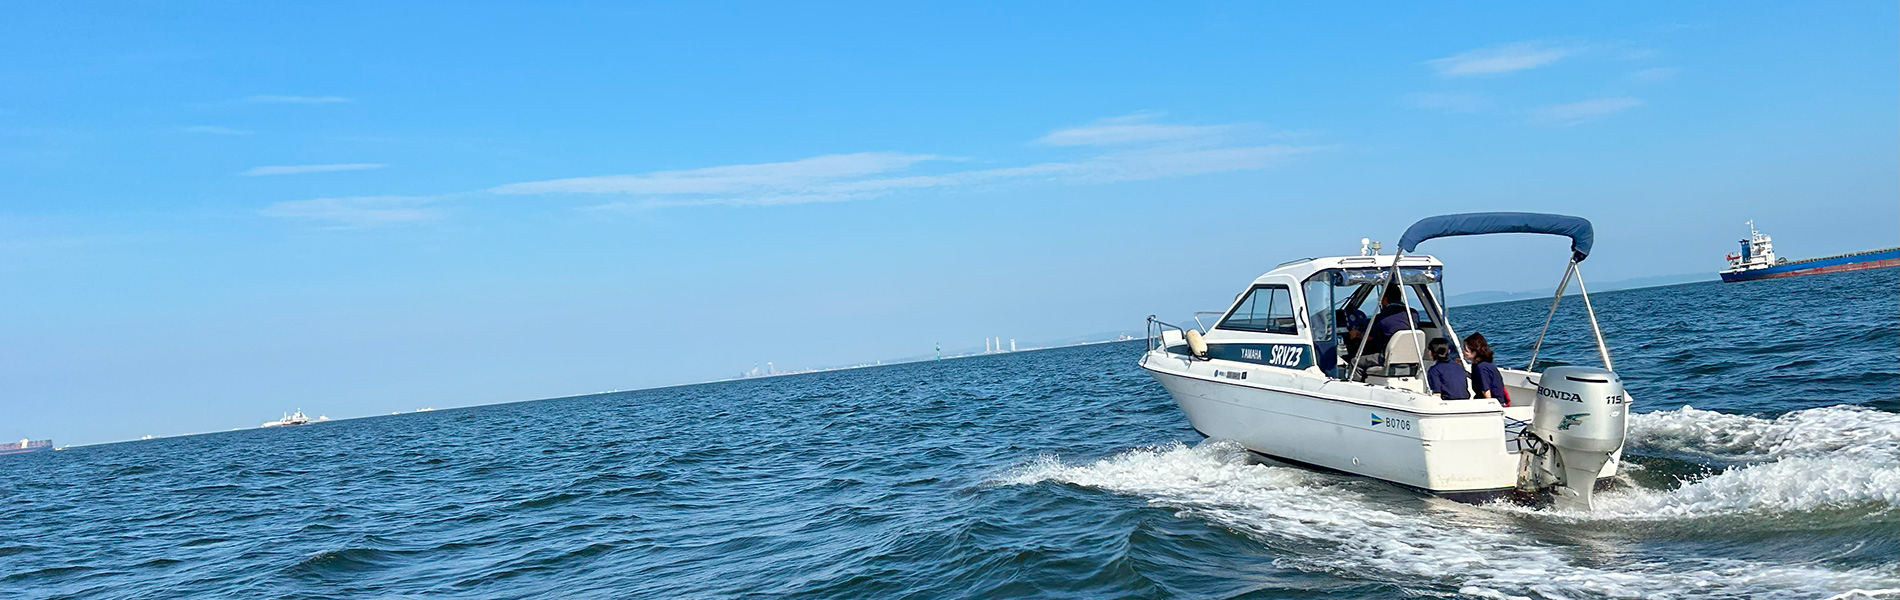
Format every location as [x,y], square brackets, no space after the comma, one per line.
[1313,314]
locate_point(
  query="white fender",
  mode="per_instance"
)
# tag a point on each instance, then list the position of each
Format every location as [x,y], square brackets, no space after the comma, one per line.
[1195,344]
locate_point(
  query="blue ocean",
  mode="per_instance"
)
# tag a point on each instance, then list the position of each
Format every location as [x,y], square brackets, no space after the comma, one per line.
[1764,463]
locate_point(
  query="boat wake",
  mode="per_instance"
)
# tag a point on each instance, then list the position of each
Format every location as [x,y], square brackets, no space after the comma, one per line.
[1832,430]
[1816,459]
[1836,457]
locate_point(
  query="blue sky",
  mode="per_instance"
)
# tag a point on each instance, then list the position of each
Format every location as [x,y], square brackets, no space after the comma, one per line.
[214,213]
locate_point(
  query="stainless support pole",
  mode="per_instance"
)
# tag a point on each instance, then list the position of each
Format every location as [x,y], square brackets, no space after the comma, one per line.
[1409,320]
[1444,320]
[1602,348]
[1366,336]
[1568,270]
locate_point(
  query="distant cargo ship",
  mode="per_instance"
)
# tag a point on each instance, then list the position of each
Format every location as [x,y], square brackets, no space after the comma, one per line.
[1758,261]
[289,420]
[25,446]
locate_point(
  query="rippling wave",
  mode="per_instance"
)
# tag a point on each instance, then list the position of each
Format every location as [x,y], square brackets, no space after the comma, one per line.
[1764,462]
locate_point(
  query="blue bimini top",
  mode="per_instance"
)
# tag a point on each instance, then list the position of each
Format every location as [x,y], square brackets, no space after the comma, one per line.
[1578,229]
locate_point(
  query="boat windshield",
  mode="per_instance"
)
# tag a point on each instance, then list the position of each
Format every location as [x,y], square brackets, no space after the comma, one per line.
[1342,303]
[1370,276]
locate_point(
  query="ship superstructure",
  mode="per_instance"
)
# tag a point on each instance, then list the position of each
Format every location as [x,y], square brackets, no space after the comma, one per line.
[289,420]
[1757,260]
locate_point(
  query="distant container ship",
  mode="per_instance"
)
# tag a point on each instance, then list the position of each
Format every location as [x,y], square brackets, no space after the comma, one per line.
[25,446]
[289,420]
[1758,261]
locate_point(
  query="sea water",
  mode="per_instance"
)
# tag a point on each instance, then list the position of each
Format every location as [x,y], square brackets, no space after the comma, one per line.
[1764,462]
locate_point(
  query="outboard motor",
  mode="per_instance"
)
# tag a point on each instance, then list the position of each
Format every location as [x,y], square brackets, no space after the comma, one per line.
[1578,422]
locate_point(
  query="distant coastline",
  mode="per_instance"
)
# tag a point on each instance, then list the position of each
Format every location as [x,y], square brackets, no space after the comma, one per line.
[1494,297]
[1455,300]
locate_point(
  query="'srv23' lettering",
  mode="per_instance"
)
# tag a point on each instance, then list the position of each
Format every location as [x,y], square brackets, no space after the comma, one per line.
[1290,356]
[1286,356]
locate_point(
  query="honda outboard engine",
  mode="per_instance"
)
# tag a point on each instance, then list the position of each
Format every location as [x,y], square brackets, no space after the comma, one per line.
[1578,423]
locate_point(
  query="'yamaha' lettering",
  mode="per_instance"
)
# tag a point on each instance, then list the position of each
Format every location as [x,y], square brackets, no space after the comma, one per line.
[1285,356]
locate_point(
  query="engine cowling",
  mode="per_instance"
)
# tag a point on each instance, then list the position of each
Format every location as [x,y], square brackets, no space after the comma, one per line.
[1580,416]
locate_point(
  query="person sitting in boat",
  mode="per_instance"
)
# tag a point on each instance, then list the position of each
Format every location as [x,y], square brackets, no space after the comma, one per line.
[1352,318]
[1350,345]
[1393,317]
[1447,379]
[1486,381]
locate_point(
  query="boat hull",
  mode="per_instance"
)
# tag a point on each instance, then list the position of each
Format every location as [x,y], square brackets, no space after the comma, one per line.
[1460,455]
[1876,259]
[30,448]
[1451,454]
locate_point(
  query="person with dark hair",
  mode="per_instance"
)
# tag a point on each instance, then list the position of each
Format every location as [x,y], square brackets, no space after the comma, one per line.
[1393,317]
[1486,381]
[1446,378]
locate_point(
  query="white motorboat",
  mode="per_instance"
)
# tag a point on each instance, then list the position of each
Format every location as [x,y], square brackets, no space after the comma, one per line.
[289,420]
[1274,374]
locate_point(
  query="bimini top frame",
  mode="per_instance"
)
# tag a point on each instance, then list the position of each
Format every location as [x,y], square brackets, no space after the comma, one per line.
[1578,229]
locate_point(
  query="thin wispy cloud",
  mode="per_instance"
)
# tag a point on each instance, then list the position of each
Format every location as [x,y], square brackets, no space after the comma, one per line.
[1587,110]
[214,130]
[1138,128]
[1655,75]
[1155,150]
[357,212]
[1108,168]
[279,99]
[820,171]
[1502,59]
[1450,102]
[1139,149]
[302,169]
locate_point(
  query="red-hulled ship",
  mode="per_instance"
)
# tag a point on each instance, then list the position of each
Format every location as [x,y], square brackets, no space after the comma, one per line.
[25,446]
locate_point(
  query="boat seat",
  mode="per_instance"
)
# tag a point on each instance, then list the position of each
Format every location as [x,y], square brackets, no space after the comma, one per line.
[1402,356]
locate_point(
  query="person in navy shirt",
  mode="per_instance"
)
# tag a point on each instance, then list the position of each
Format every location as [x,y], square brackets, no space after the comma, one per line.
[1485,378]
[1393,317]
[1447,379]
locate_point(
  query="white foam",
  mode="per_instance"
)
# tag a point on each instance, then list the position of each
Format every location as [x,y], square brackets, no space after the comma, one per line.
[1830,457]
[1833,430]
[1786,485]
[1324,525]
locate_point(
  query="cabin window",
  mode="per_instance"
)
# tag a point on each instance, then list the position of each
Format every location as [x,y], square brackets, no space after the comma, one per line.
[1323,323]
[1266,309]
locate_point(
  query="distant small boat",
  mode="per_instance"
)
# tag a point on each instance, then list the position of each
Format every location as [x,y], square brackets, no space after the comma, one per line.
[289,420]
[25,446]
[1758,261]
